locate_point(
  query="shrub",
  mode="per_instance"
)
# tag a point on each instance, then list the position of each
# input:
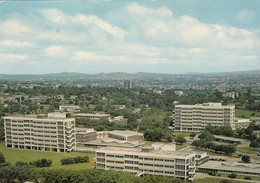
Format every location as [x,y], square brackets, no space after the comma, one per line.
[212,173]
[41,163]
[247,178]
[225,181]
[21,163]
[233,175]
[75,160]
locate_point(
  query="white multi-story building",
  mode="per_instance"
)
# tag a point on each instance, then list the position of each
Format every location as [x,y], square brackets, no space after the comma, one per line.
[96,116]
[69,108]
[148,160]
[194,118]
[45,133]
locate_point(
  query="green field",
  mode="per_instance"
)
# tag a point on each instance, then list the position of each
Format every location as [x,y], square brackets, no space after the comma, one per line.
[242,113]
[178,147]
[215,180]
[14,155]
[248,150]
[184,134]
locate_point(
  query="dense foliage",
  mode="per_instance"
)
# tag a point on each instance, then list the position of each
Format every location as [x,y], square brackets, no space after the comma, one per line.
[38,163]
[11,174]
[74,160]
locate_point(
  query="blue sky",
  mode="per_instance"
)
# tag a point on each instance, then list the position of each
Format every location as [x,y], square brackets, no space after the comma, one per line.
[162,36]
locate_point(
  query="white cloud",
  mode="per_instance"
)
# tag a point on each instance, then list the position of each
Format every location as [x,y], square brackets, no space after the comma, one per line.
[15,27]
[6,58]
[97,58]
[11,43]
[56,51]
[57,16]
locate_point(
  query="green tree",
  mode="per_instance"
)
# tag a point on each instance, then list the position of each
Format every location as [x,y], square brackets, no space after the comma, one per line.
[245,158]
[192,135]
[2,158]
[206,135]
[180,139]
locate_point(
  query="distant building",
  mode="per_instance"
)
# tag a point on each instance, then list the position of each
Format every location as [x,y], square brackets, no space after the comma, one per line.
[118,107]
[54,132]
[91,106]
[179,92]
[128,84]
[147,160]
[96,116]
[119,119]
[69,108]
[232,95]
[194,118]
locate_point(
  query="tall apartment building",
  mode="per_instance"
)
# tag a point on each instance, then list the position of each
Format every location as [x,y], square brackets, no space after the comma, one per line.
[44,133]
[129,84]
[147,160]
[194,118]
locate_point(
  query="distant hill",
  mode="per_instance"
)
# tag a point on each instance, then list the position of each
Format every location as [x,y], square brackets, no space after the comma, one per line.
[122,75]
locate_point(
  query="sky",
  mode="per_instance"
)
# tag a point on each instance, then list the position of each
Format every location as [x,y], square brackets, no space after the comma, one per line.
[158,36]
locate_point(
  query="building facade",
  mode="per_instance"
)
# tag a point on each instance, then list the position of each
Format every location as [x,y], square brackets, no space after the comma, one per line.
[85,135]
[147,160]
[96,116]
[45,133]
[194,118]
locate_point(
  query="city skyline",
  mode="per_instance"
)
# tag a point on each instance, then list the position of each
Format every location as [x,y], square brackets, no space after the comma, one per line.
[170,37]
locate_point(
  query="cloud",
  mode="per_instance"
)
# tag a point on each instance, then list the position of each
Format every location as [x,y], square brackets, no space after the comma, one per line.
[6,58]
[57,16]
[56,51]
[11,43]
[15,27]
[132,36]
[97,58]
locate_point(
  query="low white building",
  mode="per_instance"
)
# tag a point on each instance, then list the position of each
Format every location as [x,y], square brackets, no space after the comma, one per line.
[96,116]
[147,160]
[125,135]
[241,122]
[69,108]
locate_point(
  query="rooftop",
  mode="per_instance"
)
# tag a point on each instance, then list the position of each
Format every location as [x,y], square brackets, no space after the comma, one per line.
[125,133]
[152,153]
[207,105]
[244,167]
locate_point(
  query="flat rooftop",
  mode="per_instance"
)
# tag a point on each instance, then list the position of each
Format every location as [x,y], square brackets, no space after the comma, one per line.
[90,115]
[152,153]
[125,133]
[208,105]
[42,118]
[229,138]
[233,166]
[113,143]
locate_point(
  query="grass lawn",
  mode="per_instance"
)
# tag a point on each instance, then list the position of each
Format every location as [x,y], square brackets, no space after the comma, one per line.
[178,147]
[184,134]
[246,113]
[14,155]
[248,150]
[215,180]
